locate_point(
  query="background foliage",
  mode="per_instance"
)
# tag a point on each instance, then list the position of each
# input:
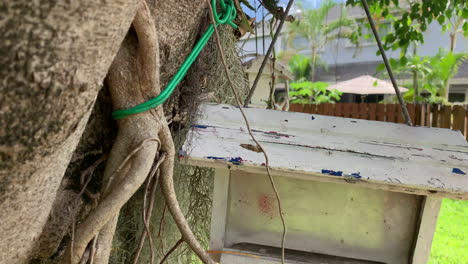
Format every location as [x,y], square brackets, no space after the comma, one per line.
[415,18]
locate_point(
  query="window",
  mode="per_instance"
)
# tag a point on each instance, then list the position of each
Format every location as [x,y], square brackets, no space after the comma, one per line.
[456,97]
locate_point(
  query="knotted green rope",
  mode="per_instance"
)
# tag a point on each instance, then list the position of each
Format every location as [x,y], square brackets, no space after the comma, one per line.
[226,16]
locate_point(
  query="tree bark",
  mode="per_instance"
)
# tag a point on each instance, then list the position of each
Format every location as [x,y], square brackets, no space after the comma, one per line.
[313,63]
[55,55]
[415,77]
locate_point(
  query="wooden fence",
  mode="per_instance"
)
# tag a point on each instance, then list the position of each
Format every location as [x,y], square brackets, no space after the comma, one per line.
[444,116]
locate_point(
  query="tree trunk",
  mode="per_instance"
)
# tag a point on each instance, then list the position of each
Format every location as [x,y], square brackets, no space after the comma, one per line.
[415,77]
[57,54]
[453,43]
[313,64]
[55,57]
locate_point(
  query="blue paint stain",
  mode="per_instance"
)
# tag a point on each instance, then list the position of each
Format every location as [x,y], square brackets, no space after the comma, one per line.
[215,158]
[236,161]
[312,117]
[458,171]
[200,126]
[356,175]
[332,172]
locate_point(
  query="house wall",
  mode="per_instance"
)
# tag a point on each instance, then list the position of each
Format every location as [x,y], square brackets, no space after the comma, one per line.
[262,92]
[346,61]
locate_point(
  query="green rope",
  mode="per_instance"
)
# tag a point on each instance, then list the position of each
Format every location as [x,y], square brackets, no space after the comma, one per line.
[226,16]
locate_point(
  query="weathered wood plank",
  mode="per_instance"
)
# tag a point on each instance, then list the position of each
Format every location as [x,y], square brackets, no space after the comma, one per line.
[346,110]
[321,109]
[311,108]
[381,113]
[427,225]
[435,115]
[459,118]
[427,115]
[354,110]
[395,157]
[399,115]
[329,109]
[219,211]
[372,111]
[269,255]
[363,111]
[466,122]
[445,116]
[296,108]
[391,113]
[418,115]
[338,110]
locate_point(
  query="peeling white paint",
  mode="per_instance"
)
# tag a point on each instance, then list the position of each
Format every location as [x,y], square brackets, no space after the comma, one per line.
[392,156]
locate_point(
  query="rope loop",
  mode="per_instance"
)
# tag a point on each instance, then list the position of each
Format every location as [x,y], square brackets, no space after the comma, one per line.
[226,16]
[228,13]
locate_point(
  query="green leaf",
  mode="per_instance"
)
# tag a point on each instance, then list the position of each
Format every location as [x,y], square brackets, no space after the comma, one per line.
[393,63]
[409,21]
[381,67]
[403,60]
[423,26]
[385,13]
[415,7]
[441,19]
[465,13]
[465,28]
[322,99]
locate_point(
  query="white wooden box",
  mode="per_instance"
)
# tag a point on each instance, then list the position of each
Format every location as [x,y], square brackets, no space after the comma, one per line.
[353,191]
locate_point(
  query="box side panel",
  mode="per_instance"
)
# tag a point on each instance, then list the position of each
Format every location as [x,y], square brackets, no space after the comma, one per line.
[334,219]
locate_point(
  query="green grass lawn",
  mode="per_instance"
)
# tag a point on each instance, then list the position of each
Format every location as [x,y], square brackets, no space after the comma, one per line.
[450,245]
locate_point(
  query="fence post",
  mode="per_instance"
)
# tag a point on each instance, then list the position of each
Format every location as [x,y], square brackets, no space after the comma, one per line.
[338,109]
[355,110]
[391,113]
[445,116]
[372,110]
[347,110]
[459,118]
[381,113]
[363,111]
[427,115]
[412,113]
[296,108]
[321,109]
[419,115]
[435,115]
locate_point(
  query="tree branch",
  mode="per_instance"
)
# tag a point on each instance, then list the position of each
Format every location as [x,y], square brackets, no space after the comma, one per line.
[239,104]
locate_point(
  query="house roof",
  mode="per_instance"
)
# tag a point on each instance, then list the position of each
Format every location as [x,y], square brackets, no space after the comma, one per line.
[347,71]
[253,64]
[366,84]
[379,155]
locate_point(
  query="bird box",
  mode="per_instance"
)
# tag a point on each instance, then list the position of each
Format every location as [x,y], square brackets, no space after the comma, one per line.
[352,191]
